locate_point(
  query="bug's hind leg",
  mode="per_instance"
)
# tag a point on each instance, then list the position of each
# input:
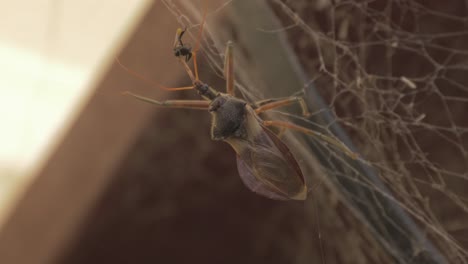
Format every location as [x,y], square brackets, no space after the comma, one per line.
[329,140]
[187,104]
[268,104]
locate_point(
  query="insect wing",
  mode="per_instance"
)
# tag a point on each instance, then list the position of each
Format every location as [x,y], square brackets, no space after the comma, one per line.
[267,167]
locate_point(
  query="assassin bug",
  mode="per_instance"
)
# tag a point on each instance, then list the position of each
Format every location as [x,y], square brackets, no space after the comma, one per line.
[264,161]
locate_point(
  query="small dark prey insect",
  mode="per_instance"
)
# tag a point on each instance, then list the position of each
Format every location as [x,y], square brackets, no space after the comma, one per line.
[181,50]
[264,161]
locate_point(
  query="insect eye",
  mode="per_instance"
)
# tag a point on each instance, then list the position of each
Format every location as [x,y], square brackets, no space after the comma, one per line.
[215,105]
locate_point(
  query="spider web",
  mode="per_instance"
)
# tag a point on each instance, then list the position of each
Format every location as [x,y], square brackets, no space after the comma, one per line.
[394,76]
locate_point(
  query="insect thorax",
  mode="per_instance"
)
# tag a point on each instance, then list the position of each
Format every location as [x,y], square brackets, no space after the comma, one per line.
[228,116]
[183,51]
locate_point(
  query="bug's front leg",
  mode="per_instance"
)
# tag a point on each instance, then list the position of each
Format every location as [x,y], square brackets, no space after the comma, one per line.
[186,104]
[229,68]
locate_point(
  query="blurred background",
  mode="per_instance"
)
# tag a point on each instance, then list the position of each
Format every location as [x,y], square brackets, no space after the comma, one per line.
[51,61]
[90,176]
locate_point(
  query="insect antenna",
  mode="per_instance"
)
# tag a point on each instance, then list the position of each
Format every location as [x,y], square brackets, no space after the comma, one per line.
[149,81]
[200,32]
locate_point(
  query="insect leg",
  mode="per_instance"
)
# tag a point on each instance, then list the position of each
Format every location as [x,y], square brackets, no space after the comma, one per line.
[269,104]
[187,104]
[334,142]
[197,47]
[229,68]
[195,65]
